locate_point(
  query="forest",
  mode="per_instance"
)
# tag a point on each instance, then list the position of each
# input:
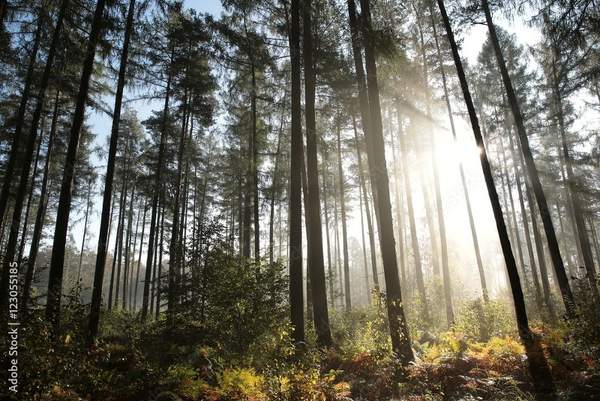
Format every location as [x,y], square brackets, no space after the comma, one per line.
[300,200]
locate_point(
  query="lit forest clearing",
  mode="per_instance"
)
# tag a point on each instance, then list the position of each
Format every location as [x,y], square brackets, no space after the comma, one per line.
[326,200]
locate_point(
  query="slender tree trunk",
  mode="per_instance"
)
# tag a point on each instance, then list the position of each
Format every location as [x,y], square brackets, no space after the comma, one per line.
[315,262]
[326,213]
[133,279]
[126,277]
[23,239]
[119,242]
[157,193]
[438,193]
[114,259]
[582,236]
[155,281]
[275,184]
[532,263]
[139,262]
[538,366]
[64,203]
[413,226]
[88,205]
[295,195]
[364,246]
[513,215]
[376,154]
[338,256]
[42,206]
[348,299]
[399,212]
[175,246]
[361,177]
[534,178]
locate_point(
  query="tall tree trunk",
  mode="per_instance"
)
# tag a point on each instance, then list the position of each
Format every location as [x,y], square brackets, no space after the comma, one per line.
[538,366]
[436,186]
[364,246]
[157,192]
[139,262]
[42,206]
[133,279]
[532,263]
[114,258]
[64,203]
[399,211]
[88,204]
[513,215]
[363,185]
[23,239]
[376,154]
[326,213]
[348,299]
[295,195]
[582,236]
[275,184]
[119,243]
[413,226]
[175,246]
[315,261]
[534,178]
[126,277]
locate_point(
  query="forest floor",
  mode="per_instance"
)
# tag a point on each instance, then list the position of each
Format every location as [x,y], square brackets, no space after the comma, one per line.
[188,363]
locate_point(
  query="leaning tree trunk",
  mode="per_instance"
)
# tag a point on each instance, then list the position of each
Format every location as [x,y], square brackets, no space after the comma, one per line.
[108,185]
[538,366]
[41,211]
[532,172]
[376,154]
[23,239]
[315,261]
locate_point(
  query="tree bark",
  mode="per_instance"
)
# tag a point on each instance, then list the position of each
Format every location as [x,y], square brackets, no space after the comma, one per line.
[295,195]
[315,262]
[379,176]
